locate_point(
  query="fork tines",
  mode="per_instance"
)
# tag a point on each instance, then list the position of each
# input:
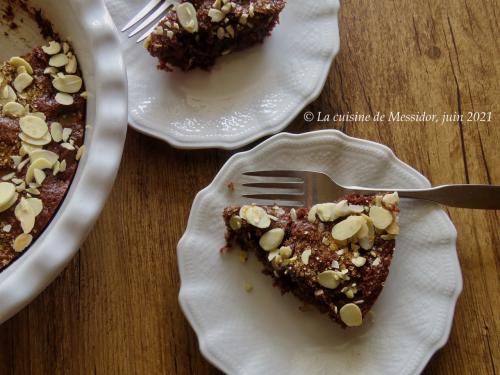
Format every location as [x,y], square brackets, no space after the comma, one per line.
[154,10]
[287,191]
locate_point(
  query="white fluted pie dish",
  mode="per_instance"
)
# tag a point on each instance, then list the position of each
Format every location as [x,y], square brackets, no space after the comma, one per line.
[90,29]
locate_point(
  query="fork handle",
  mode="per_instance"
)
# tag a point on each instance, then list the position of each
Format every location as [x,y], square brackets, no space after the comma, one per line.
[485,197]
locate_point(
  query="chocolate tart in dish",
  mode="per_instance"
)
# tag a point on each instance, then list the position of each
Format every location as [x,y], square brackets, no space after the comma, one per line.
[42,125]
[335,256]
[194,33]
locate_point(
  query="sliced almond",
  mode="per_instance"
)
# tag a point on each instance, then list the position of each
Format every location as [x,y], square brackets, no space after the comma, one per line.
[186,13]
[306,254]
[81,152]
[216,15]
[36,204]
[22,242]
[66,133]
[351,315]
[394,227]
[347,228]
[7,192]
[329,279]
[367,242]
[390,200]
[33,126]
[19,61]
[381,217]
[13,109]
[58,60]
[39,176]
[69,84]
[285,252]
[358,261]
[22,81]
[7,94]
[56,131]
[43,154]
[257,217]
[26,215]
[64,99]
[272,239]
[38,164]
[53,48]
[26,148]
[46,139]
[72,65]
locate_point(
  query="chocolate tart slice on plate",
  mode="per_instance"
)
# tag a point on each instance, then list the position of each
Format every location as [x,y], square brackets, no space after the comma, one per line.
[334,256]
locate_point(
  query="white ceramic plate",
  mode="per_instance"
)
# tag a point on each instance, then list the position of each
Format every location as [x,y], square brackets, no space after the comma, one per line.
[91,31]
[247,95]
[265,333]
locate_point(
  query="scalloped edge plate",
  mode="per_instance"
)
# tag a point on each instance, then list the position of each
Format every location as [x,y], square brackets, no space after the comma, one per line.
[192,123]
[215,341]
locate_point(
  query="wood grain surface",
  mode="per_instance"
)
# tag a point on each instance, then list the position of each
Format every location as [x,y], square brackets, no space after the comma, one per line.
[114,310]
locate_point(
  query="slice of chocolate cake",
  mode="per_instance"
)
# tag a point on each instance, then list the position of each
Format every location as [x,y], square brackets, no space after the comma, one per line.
[194,33]
[335,256]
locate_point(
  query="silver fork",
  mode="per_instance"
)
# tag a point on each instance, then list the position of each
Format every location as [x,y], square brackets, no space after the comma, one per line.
[304,188]
[154,9]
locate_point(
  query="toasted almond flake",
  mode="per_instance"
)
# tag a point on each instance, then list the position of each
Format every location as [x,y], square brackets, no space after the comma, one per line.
[26,148]
[272,239]
[59,60]
[255,216]
[50,70]
[39,176]
[22,242]
[381,217]
[13,109]
[19,61]
[69,84]
[81,152]
[390,200]
[273,254]
[33,191]
[37,164]
[56,131]
[328,279]
[7,94]
[216,15]
[17,181]
[67,146]
[22,81]
[305,256]
[36,205]
[53,48]
[64,99]
[65,47]
[25,214]
[351,315]
[394,227]
[7,192]
[66,133]
[21,69]
[21,187]
[285,252]
[347,228]
[72,65]
[22,164]
[46,139]
[43,154]
[186,13]
[358,261]
[9,176]
[33,126]
[62,166]
[376,262]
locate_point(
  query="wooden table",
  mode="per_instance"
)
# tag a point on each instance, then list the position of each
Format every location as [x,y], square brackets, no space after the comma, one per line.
[114,310]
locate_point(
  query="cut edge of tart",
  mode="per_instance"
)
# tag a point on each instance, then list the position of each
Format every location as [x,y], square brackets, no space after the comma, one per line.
[334,256]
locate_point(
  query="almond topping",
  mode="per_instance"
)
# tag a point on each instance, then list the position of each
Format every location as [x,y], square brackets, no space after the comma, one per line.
[381,217]
[272,239]
[22,242]
[351,315]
